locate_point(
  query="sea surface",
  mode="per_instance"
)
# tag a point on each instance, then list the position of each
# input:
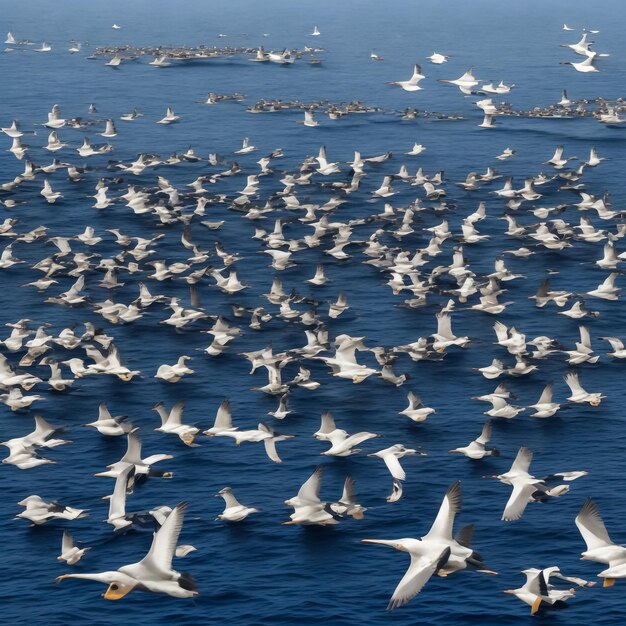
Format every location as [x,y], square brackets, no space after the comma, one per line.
[260,572]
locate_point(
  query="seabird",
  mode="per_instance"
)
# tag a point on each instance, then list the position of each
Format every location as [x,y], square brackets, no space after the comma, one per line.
[154,572]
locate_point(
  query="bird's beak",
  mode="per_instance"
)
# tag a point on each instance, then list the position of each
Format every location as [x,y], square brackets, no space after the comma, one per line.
[290,523]
[383,542]
[509,591]
[489,571]
[489,477]
[117,591]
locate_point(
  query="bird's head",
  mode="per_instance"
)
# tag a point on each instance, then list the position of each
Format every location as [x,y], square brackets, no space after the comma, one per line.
[117,590]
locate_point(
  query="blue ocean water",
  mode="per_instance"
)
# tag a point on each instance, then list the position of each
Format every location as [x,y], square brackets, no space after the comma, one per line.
[260,572]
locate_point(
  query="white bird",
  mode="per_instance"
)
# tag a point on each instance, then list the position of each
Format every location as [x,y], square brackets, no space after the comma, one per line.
[545,407]
[477,449]
[413,83]
[619,352]
[416,411]
[585,66]
[70,553]
[39,512]
[344,364]
[342,444]
[170,117]
[246,147]
[437,58]
[607,289]
[600,548]
[117,501]
[309,120]
[308,508]
[173,373]
[538,593]
[154,572]
[464,83]
[578,394]
[133,458]
[234,510]
[171,422]
[54,118]
[435,552]
[223,427]
[108,425]
[444,337]
[347,504]
[527,488]
[417,148]
[392,455]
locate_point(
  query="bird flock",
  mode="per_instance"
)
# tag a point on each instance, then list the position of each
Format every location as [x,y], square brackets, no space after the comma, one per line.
[173,274]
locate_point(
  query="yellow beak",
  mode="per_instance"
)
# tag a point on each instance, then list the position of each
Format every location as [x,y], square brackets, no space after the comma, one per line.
[117,591]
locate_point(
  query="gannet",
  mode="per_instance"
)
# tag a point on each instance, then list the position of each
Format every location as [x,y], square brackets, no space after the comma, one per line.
[437,58]
[619,352]
[412,83]
[70,553]
[416,411]
[436,552]
[223,427]
[444,337]
[170,117]
[107,424]
[464,83]
[154,572]
[599,546]
[39,512]
[477,449]
[234,510]
[117,501]
[308,508]
[538,593]
[54,118]
[344,364]
[418,148]
[527,488]
[173,373]
[246,147]
[171,422]
[347,504]
[309,120]
[585,66]
[391,458]
[578,394]
[132,457]
[342,444]
[545,407]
